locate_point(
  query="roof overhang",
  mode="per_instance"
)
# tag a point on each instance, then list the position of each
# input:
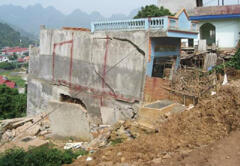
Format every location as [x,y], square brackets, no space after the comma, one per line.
[214,17]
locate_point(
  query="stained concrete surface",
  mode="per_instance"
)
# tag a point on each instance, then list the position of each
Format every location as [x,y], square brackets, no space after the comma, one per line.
[66,119]
[101,72]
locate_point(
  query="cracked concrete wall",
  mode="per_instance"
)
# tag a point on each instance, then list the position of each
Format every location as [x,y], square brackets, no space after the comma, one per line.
[106,70]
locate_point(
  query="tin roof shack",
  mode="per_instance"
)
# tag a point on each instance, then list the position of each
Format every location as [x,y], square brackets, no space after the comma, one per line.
[85,79]
[218,25]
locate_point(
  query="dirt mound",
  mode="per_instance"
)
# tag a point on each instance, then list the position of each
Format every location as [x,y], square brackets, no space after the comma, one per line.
[213,119]
[222,153]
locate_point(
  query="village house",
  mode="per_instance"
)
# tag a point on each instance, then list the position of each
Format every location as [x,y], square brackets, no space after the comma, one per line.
[218,25]
[4,59]
[4,80]
[14,50]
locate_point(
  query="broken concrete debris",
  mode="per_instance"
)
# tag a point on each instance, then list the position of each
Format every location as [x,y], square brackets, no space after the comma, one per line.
[17,128]
[76,145]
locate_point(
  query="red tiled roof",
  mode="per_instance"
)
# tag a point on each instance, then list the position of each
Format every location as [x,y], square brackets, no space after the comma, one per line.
[20,60]
[215,10]
[2,81]
[14,49]
[8,83]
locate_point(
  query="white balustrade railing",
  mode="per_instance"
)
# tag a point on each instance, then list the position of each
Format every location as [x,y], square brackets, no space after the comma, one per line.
[158,23]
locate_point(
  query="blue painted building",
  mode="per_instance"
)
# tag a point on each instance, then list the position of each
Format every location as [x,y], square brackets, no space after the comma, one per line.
[218,25]
[165,34]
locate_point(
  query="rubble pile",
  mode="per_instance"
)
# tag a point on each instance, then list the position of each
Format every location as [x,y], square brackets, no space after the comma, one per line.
[227,54]
[193,82]
[12,129]
[105,135]
[214,118]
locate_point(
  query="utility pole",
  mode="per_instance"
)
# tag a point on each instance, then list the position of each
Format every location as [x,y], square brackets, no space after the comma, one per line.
[218,2]
[223,2]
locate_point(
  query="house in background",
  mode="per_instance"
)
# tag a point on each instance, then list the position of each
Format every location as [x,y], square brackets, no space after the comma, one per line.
[4,59]
[15,50]
[218,25]
[8,83]
[175,5]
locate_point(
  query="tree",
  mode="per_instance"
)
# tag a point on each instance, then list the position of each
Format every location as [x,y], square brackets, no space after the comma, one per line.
[7,66]
[152,11]
[12,104]
[13,57]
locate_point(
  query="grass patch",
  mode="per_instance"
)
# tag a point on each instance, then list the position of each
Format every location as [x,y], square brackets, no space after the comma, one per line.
[41,156]
[116,141]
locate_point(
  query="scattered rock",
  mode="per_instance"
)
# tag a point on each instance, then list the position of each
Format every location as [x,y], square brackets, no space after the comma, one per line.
[228,157]
[8,136]
[21,123]
[185,153]
[104,157]
[34,130]
[123,159]
[89,159]
[79,157]
[77,145]
[21,130]
[167,156]
[157,161]
[119,154]
[43,133]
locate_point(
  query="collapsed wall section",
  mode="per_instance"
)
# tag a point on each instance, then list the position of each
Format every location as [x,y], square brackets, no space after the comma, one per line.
[104,70]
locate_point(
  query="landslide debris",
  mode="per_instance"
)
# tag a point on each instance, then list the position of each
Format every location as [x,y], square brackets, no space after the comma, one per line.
[213,119]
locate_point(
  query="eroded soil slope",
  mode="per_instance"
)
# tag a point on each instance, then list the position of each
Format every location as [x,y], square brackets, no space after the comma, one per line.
[190,133]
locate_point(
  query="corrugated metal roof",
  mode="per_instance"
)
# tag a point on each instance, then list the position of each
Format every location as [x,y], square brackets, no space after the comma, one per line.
[215,10]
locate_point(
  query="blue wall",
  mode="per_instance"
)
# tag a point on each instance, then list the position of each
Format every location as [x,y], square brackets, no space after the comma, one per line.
[183,22]
[163,47]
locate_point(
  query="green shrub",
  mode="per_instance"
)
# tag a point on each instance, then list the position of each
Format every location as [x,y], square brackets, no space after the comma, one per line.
[233,63]
[46,156]
[7,66]
[13,157]
[40,156]
[12,104]
[116,141]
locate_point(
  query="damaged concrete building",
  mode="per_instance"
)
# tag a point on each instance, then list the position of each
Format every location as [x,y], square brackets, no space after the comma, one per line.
[84,79]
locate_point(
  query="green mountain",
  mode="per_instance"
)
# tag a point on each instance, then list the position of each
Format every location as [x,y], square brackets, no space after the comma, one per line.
[30,18]
[10,37]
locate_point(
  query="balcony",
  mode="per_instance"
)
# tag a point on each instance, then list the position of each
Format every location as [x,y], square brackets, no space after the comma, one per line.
[165,23]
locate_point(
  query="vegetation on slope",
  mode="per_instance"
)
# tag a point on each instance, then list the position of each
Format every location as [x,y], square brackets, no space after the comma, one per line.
[10,37]
[12,104]
[233,63]
[40,156]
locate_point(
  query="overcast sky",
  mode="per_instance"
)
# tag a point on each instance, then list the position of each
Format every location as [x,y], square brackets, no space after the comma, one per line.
[105,7]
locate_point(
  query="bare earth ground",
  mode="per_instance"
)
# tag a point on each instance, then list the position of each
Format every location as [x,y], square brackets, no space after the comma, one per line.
[225,152]
[207,135]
